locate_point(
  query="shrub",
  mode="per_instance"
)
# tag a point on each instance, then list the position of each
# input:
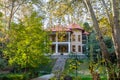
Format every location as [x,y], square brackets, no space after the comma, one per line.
[3,63]
[14,77]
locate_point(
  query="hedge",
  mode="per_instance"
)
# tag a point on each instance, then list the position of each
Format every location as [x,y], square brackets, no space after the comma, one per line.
[14,77]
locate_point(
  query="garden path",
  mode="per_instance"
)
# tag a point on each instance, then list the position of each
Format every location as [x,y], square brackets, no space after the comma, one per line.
[44,77]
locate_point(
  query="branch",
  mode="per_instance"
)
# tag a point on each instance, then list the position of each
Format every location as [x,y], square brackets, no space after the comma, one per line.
[108,15]
[18,7]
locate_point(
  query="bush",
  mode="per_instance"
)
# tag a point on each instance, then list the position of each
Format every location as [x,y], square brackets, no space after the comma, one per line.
[3,63]
[14,77]
[68,78]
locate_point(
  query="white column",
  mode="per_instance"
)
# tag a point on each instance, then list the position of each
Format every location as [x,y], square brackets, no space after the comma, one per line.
[68,36]
[56,43]
[69,47]
[56,47]
[68,42]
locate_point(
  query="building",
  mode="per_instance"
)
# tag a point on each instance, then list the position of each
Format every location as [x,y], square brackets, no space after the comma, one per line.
[69,39]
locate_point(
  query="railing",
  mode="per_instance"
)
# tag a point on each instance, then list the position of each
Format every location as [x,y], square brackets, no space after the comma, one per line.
[83,56]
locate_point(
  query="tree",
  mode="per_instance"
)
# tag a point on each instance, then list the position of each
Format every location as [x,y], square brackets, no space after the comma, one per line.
[114,23]
[28,43]
[87,27]
[98,32]
[15,9]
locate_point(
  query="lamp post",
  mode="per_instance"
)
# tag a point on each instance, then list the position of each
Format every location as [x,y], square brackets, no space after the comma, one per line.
[76,65]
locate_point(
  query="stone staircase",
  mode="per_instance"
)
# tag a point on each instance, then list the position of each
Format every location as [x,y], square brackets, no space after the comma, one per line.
[59,66]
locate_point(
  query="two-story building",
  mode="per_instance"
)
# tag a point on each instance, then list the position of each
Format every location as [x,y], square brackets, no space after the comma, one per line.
[69,39]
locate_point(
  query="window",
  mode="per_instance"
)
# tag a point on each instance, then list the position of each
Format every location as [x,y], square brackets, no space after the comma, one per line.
[78,37]
[73,37]
[53,38]
[84,48]
[84,37]
[53,47]
[84,41]
[73,48]
[79,48]
[63,48]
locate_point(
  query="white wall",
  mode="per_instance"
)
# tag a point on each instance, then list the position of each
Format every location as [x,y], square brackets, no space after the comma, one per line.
[76,42]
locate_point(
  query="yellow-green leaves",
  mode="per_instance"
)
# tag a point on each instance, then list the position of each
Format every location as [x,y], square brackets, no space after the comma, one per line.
[105,27]
[61,9]
[1,14]
[26,46]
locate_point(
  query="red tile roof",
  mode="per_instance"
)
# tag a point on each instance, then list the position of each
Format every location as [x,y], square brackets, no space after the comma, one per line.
[59,28]
[75,26]
[69,28]
[86,33]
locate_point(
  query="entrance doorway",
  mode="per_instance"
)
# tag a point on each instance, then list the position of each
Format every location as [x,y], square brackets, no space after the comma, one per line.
[63,48]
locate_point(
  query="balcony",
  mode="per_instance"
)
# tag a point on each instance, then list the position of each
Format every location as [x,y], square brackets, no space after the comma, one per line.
[63,38]
[60,37]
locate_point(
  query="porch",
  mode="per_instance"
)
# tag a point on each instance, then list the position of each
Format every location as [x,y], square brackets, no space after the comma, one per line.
[60,48]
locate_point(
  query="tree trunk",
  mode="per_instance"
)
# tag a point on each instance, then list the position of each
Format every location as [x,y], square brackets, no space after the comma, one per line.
[116,30]
[103,47]
[95,75]
[11,15]
[114,23]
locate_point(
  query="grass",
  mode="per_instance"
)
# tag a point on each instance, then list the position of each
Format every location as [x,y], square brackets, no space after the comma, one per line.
[82,70]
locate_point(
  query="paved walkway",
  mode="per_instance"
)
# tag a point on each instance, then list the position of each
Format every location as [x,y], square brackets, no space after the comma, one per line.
[44,77]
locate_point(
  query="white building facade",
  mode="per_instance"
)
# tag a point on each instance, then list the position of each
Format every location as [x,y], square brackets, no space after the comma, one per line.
[67,40]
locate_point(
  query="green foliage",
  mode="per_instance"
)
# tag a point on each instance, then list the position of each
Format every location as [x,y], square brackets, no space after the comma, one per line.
[109,44]
[105,28]
[93,45]
[28,43]
[3,63]
[1,14]
[14,77]
[82,68]
[96,62]
[74,64]
[87,27]
[44,69]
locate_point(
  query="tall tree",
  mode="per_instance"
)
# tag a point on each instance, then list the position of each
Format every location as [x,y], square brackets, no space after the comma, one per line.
[99,35]
[15,9]
[28,42]
[114,23]
[116,30]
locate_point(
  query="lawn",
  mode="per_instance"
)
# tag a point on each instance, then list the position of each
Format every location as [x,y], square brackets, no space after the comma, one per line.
[82,67]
